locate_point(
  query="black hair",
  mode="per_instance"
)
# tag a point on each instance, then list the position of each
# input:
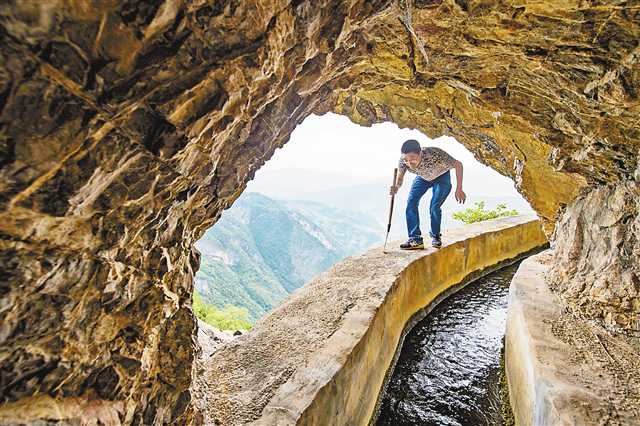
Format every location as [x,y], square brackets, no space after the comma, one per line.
[410,145]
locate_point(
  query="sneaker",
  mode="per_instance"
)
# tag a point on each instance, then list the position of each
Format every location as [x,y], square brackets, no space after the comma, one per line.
[412,245]
[436,241]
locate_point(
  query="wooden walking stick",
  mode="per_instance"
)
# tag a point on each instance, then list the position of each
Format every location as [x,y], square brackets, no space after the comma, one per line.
[395,176]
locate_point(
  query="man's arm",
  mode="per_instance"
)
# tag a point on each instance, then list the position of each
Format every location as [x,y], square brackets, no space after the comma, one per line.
[398,182]
[400,177]
[460,195]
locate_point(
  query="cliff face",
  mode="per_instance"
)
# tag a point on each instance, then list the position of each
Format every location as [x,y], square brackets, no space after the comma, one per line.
[596,266]
[126,127]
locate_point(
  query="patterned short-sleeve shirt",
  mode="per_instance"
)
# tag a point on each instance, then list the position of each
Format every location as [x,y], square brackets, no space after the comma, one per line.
[435,161]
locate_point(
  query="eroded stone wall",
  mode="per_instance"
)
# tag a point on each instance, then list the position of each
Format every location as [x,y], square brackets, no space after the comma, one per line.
[127,127]
[598,246]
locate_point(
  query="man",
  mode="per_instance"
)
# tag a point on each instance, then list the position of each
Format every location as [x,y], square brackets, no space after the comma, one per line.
[431,166]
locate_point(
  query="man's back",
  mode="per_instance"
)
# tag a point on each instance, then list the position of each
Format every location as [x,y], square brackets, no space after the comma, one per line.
[435,161]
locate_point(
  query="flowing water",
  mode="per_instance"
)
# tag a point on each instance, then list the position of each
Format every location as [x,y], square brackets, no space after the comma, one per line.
[448,370]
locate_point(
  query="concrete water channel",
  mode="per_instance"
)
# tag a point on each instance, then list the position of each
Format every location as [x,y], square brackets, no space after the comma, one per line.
[448,372]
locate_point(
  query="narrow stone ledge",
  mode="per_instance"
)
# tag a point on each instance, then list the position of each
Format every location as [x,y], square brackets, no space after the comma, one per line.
[322,356]
[563,370]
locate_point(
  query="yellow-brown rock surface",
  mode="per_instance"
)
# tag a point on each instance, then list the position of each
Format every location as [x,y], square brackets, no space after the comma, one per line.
[126,127]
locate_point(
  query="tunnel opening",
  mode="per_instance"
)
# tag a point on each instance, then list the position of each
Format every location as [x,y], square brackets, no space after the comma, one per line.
[320,198]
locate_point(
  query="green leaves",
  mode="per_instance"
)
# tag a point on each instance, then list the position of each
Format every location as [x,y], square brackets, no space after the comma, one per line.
[229,318]
[478,213]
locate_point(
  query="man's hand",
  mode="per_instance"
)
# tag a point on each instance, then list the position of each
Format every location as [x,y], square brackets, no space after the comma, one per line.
[393,189]
[460,195]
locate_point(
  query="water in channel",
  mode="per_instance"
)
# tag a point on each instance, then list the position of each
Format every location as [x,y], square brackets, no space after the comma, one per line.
[448,370]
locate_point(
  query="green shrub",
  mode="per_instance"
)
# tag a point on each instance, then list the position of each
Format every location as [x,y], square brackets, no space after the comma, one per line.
[229,318]
[478,213]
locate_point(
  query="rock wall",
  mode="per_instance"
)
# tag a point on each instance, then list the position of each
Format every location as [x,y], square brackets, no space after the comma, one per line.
[127,127]
[560,369]
[598,246]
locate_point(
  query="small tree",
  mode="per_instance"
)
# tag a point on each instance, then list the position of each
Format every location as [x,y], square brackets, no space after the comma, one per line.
[229,318]
[478,213]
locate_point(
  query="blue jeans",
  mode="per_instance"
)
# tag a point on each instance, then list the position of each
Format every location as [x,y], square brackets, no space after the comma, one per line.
[441,189]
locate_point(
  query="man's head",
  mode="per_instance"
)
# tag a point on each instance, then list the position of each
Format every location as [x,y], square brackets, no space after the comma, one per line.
[411,152]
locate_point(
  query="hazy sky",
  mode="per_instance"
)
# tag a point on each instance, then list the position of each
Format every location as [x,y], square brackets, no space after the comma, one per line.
[332,144]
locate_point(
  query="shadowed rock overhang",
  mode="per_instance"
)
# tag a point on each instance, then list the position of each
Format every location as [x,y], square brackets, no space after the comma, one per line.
[127,127]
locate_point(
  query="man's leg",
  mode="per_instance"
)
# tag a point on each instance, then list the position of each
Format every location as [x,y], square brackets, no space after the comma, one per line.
[418,188]
[441,189]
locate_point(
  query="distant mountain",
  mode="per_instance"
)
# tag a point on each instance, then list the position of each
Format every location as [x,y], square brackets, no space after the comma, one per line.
[353,230]
[262,249]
